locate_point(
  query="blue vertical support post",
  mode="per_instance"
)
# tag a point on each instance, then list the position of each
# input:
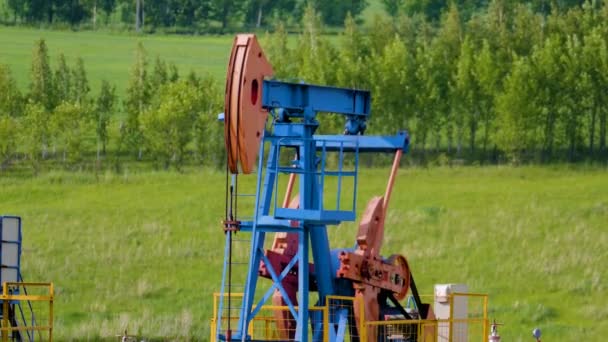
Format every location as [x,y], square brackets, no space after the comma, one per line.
[308,201]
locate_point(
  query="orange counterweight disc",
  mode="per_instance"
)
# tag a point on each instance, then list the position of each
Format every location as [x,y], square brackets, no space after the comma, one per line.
[244,117]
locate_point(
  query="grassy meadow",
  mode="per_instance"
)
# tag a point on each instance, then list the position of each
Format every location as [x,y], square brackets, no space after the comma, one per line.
[144,251]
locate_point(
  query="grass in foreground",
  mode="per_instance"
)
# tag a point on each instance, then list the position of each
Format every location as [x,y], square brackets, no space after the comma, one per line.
[144,251]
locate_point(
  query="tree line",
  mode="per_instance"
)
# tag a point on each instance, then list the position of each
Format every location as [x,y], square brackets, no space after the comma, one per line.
[231,15]
[190,16]
[163,118]
[508,83]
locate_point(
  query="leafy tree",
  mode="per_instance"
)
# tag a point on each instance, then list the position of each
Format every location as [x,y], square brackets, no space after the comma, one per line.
[71,125]
[488,76]
[466,96]
[430,8]
[224,10]
[63,81]
[8,139]
[34,134]
[167,127]
[394,91]
[103,112]
[11,106]
[526,30]
[160,74]
[595,63]
[279,53]
[108,7]
[137,99]
[173,73]
[315,55]
[208,131]
[351,70]
[334,13]
[41,80]
[80,87]
[393,7]
[11,100]
[578,81]
[445,50]
[72,12]
[427,94]
[259,12]
[408,28]
[18,8]
[548,72]
[380,34]
[517,111]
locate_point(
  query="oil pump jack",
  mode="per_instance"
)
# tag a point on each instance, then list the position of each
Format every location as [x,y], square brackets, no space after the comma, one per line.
[273,123]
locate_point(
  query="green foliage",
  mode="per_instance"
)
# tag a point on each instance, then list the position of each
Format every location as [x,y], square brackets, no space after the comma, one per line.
[351,67]
[466,93]
[167,127]
[393,7]
[314,53]
[80,89]
[505,83]
[208,131]
[70,127]
[279,54]
[63,81]
[487,74]
[394,87]
[137,98]
[34,135]
[41,80]
[260,13]
[103,113]
[160,74]
[517,111]
[8,139]
[334,12]
[11,100]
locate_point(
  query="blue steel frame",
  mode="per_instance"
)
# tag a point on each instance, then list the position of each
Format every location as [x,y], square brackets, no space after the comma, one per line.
[295,106]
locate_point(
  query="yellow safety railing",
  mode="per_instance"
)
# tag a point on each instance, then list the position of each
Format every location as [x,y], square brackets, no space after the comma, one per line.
[472,328]
[268,324]
[10,295]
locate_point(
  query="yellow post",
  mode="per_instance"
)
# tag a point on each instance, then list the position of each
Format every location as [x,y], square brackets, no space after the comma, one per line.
[212,327]
[363,321]
[4,312]
[326,321]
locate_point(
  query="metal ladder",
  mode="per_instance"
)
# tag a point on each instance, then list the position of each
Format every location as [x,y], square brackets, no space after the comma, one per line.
[237,248]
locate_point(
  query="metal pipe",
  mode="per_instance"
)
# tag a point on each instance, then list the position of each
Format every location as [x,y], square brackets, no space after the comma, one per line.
[286,199]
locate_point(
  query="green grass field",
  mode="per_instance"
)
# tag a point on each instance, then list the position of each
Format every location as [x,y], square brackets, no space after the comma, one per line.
[109,56]
[144,251]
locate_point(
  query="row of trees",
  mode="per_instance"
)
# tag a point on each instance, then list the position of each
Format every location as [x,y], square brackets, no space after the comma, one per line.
[202,14]
[506,84]
[507,81]
[163,118]
[207,15]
